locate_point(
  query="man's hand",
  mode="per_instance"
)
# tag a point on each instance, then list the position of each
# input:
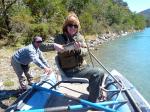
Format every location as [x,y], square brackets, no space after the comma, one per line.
[47,70]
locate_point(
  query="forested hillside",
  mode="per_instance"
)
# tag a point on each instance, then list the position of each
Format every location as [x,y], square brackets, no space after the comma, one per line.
[22,19]
[146,14]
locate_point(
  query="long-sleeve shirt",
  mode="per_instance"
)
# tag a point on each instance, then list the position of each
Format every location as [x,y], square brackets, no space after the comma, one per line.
[59,39]
[30,54]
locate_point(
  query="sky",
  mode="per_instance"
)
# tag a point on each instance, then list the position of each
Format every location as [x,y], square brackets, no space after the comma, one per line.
[138,5]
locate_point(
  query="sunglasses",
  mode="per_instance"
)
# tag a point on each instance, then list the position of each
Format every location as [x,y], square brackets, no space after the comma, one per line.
[72,25]
[38,41]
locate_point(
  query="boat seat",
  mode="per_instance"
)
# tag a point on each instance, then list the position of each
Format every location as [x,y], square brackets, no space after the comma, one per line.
[70,79]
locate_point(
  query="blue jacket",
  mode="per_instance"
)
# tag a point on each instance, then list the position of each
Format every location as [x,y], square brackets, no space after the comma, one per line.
[30,54]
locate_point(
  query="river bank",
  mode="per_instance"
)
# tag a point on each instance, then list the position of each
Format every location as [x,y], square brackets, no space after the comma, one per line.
[9,81]
[97,40]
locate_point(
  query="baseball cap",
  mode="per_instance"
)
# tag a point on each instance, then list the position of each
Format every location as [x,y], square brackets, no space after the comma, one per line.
[37,39]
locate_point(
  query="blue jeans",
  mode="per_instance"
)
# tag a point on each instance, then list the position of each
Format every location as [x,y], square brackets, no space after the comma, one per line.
[94,75]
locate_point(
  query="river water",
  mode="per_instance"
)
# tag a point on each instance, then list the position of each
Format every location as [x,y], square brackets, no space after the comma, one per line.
[130,55]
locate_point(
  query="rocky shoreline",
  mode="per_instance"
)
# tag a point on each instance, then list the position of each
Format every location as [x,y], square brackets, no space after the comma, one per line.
[100,39]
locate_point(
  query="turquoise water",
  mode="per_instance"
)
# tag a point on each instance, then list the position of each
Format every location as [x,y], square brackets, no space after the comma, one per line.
[130,55]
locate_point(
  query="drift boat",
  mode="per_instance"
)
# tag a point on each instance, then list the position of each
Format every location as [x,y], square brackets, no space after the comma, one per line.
[51,94]
[71,95]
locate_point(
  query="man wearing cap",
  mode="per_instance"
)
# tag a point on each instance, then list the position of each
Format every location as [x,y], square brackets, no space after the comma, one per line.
[24,56]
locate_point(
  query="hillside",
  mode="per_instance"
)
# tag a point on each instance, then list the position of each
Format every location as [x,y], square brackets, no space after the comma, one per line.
[21,20]
[146,13]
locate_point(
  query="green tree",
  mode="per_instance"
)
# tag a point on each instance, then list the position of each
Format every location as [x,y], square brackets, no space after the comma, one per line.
[139,21]
[76,5]
[45,17]
[5,5]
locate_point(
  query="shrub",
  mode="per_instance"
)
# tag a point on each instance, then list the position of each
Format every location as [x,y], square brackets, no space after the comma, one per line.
[39,29]
[8,83]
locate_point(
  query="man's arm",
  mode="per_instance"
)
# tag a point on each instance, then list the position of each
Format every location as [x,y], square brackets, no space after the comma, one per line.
[45,47]
[37,61]
[41,57]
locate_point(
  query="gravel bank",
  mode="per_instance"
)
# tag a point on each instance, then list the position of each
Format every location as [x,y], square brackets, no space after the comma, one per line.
[8,75]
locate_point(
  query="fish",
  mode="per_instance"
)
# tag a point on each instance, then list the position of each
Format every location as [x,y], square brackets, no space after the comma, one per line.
[69,47]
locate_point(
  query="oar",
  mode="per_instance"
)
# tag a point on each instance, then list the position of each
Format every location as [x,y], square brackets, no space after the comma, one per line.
[71,107]
[84,102]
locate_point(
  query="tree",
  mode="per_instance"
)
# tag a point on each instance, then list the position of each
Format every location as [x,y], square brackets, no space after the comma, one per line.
[76,5]
[45,17]
[139,21]
[5,5]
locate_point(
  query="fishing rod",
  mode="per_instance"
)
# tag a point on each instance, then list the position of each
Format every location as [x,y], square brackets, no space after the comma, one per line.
[120,83]
[91,55]
[88,50]
[105,68]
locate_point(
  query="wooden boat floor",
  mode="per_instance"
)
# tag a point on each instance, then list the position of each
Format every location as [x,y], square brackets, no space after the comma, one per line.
[75,90]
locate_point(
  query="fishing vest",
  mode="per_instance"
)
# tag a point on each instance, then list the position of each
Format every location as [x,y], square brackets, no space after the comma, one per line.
[69,60]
